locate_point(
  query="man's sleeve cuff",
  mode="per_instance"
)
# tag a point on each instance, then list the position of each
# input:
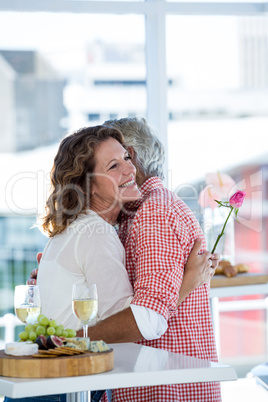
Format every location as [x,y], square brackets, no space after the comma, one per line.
[151,324]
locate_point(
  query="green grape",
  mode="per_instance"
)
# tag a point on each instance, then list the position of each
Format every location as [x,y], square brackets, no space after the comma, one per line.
[71,333]
[65,333]
[52,323]
[23,335]
[39,317]
[58,331]
[36,324]
[44,321]
[32,336]
[61,327]
[40,330]
[51,330]
[29,328]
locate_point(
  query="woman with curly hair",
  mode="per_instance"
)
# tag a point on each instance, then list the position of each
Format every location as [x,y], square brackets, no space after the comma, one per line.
[91,178]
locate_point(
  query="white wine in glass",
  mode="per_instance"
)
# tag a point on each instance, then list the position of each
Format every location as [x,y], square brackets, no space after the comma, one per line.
[85,303]
[27,303]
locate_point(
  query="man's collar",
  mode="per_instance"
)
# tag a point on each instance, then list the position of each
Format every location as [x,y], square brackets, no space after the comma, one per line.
[146,188]
[149,185]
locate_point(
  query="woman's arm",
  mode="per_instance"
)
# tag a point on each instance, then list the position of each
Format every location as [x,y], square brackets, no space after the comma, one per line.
[198,270]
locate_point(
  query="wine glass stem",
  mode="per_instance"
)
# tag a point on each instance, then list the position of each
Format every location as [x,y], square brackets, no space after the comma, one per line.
[85,330]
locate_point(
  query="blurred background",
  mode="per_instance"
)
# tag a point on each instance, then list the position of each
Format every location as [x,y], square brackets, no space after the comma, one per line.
[197,72]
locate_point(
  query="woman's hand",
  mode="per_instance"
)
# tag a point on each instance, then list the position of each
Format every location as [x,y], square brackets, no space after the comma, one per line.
[34,273]
[199,269]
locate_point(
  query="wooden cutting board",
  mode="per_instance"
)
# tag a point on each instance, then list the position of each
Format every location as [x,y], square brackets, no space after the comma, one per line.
[63,366]
[219,281]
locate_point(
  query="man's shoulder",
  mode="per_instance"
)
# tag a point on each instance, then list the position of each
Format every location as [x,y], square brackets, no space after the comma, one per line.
[166,205]
[158,201]
[161,197]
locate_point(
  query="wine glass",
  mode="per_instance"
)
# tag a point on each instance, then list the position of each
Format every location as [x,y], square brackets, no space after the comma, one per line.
[27,303]
[85,303]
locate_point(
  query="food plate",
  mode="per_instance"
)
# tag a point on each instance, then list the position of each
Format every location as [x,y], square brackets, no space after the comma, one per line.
[62,351]
[59,366]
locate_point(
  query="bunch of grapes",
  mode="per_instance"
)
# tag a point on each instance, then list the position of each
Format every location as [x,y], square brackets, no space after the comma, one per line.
[46,327]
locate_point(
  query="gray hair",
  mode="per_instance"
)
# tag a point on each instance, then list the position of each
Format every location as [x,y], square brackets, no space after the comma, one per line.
[149,150]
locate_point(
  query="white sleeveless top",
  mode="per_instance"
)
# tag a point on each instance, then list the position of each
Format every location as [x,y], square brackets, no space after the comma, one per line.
[89,249]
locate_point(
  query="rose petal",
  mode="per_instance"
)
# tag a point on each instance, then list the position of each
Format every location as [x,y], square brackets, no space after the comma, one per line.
[237,199]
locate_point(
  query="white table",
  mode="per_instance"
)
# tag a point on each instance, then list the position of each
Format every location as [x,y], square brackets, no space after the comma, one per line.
[244,389]
[134,366]
[260,372]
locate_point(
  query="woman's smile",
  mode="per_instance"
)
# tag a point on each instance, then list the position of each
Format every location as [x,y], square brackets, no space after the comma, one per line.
[129,183]
[114,178]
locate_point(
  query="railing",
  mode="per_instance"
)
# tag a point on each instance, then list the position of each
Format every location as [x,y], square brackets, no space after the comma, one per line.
[9,322]
[15,267]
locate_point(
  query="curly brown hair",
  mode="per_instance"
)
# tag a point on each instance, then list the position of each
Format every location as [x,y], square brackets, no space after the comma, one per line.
[70,177]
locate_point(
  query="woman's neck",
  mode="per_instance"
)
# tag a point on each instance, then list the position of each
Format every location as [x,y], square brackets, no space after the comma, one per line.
[110,215]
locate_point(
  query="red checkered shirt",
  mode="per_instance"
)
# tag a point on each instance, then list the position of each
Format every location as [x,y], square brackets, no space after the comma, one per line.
[158,232]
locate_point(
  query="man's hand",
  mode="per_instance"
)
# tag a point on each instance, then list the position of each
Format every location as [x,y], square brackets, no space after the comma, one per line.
[34,273]
[198,270]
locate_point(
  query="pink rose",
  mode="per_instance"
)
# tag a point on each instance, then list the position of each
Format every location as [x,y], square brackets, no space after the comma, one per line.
[237,199]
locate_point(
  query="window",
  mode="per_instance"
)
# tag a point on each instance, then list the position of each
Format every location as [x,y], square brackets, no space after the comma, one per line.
[218,104]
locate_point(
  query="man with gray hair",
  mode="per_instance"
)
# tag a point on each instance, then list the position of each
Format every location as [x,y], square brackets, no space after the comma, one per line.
[158,232]
[149,153]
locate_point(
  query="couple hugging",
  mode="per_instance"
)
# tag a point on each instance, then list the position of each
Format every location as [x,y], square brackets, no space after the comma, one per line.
[112,222]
